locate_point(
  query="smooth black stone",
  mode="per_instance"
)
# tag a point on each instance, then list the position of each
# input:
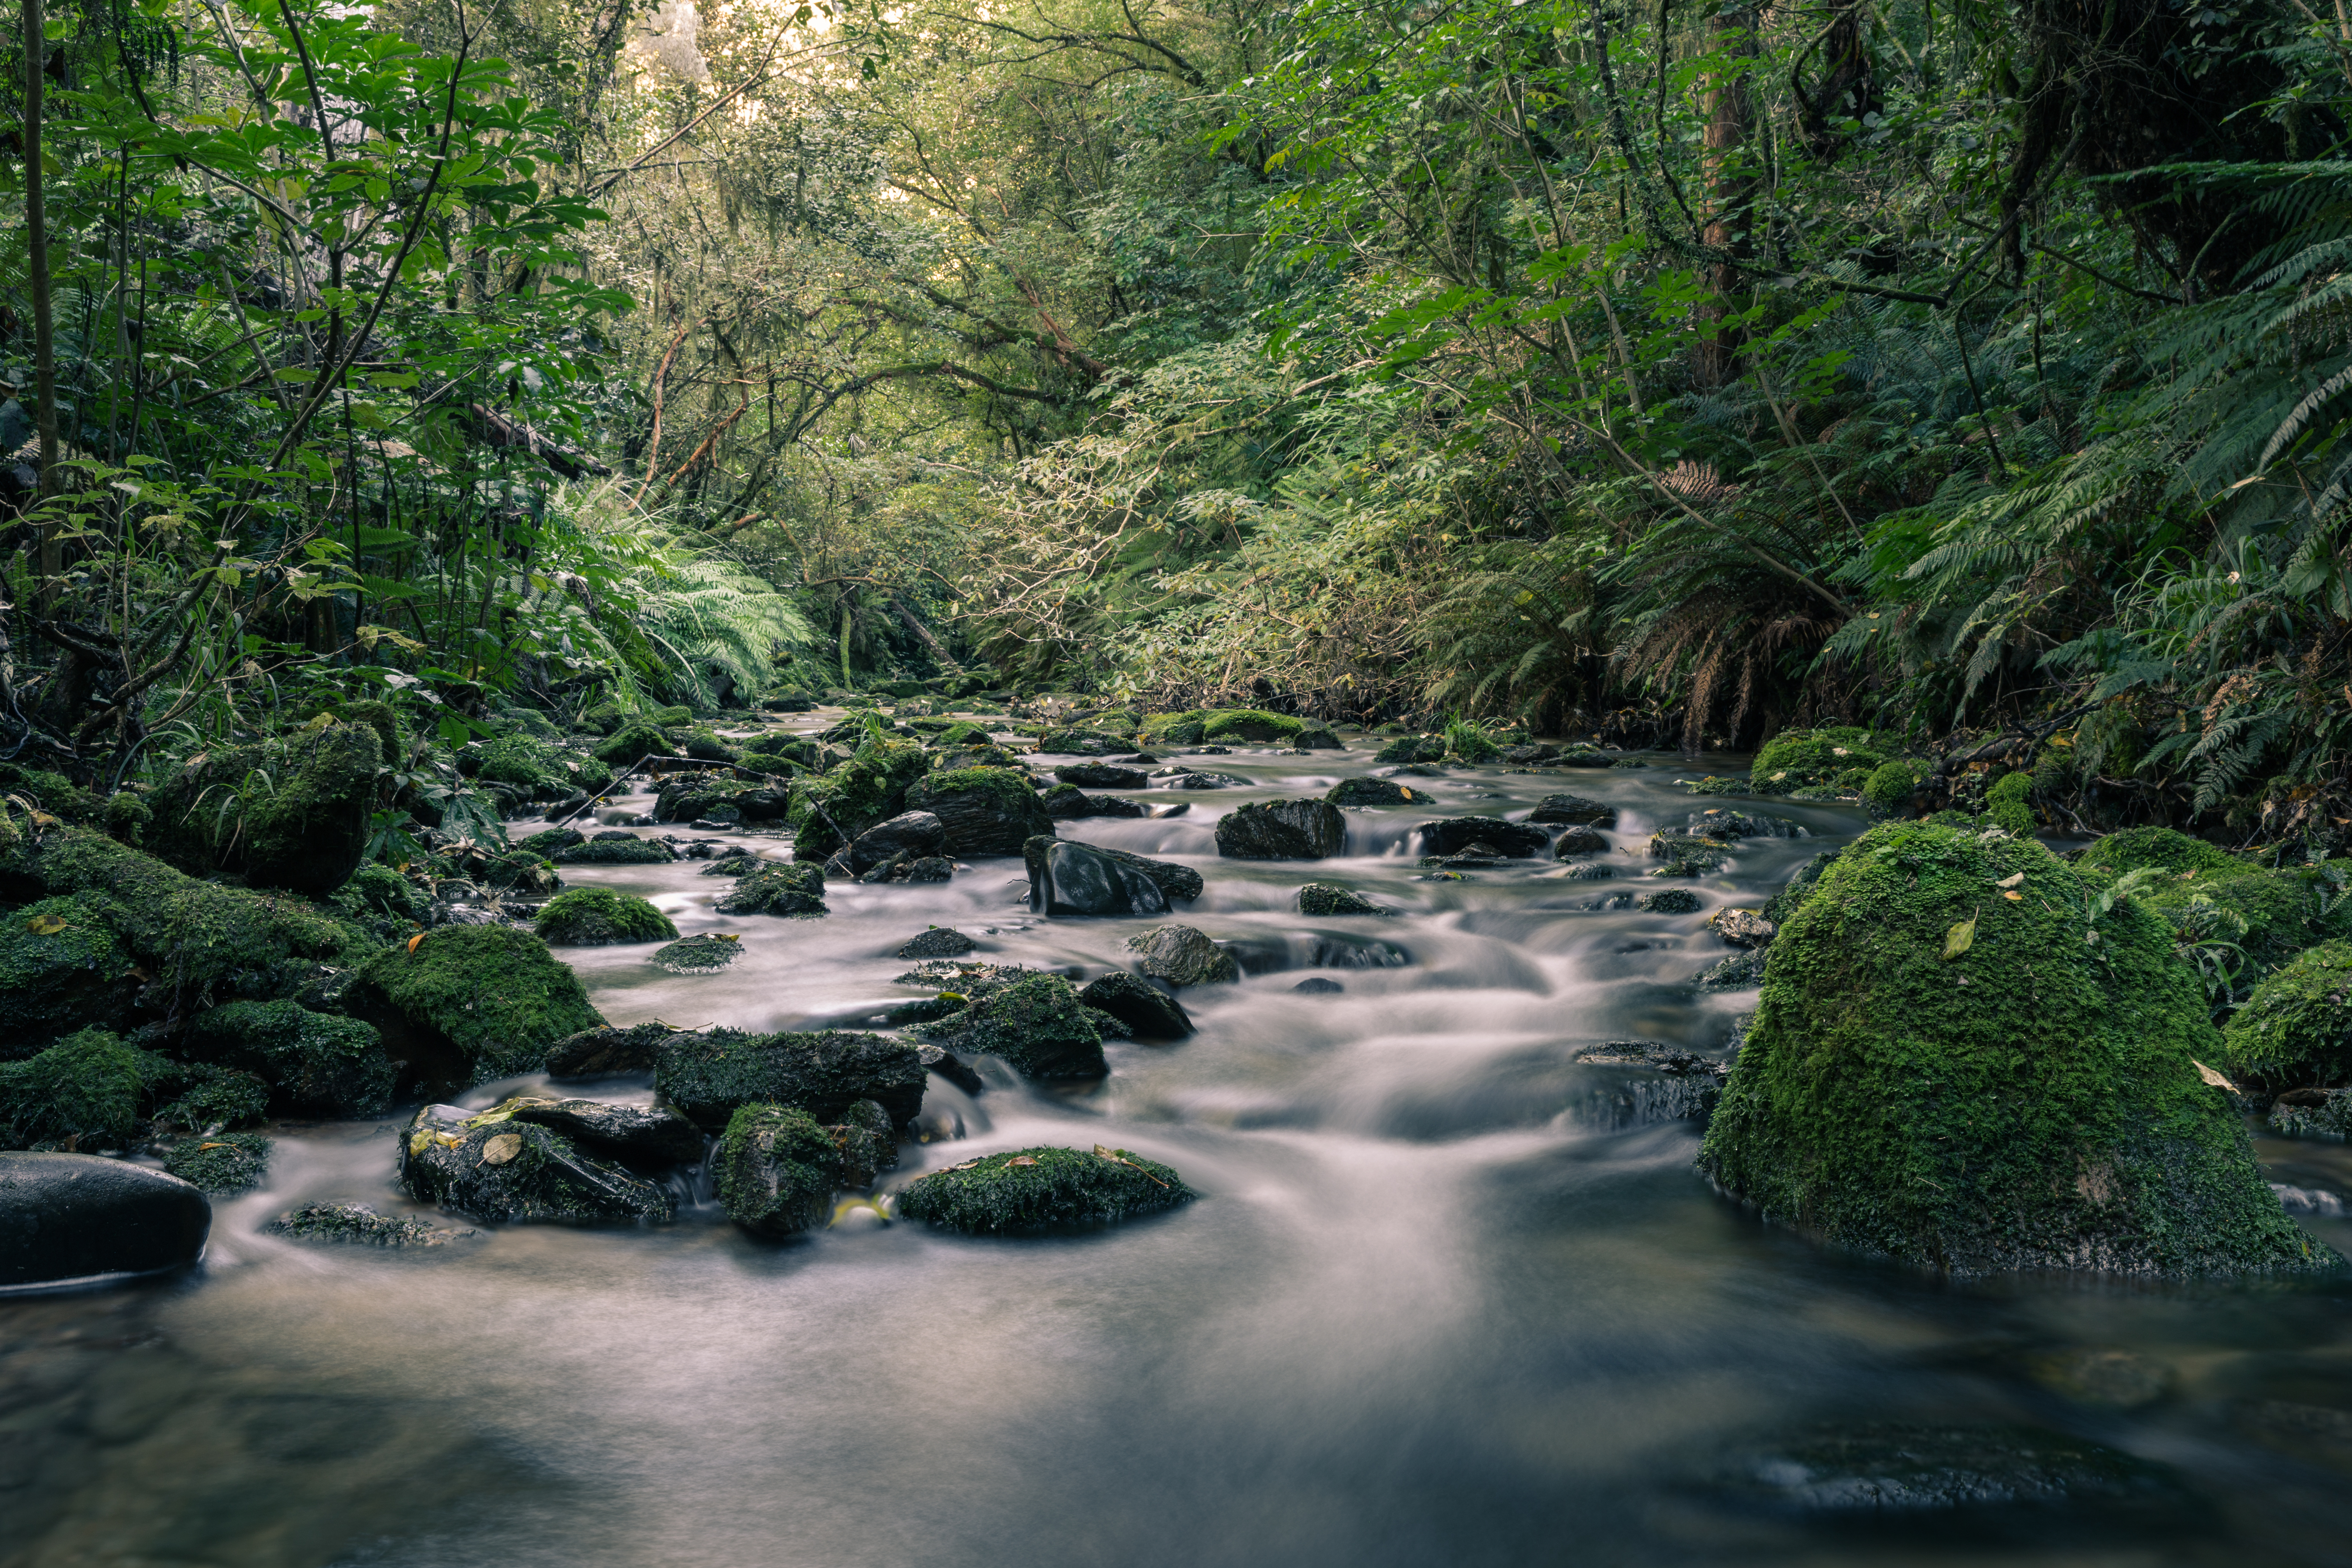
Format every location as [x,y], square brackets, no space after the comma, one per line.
[76,1216]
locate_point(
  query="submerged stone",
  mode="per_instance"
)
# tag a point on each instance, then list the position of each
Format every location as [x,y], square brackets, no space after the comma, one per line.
[491,1167]
[1042,1189]
[775,1170]
[1319,986]
[1183,955]
[938,942]
[359,1225]
[768,889]
[1330,899]
[1067,878]
[1453,835]
[1282,830]
[1741,927]
[1972,1083]
[1916,1468]
[76,1216]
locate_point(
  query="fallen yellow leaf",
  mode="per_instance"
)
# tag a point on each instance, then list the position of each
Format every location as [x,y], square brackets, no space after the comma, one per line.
[414,939]
[2014,898]
[45,925]
[1961,938]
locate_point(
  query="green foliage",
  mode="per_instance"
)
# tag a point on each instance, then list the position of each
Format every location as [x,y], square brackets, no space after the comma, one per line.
[1810,759]
[1888,790]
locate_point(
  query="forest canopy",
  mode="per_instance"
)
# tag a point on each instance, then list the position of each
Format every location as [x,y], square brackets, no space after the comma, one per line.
[1976,373]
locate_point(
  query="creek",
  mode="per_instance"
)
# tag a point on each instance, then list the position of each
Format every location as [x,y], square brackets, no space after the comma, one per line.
[1448,1297]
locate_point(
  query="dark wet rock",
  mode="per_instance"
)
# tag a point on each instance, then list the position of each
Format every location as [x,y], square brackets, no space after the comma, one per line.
[1733,972]
[227,1163]
[1983,1045]
[468,1003]
[1373,792]
[1721,823]
[1904,1469]
[1316,986]
[1688,854]
[1083,742]
[704,954]
[1314,735]
[708,1074]
[982,811]
[1671,902]
[1649,1083]
[489,1166]
[1072,878]
[1590,872]
[1408,748]
[2108,1378]
[911,834]
[1183,955]
[1577,840]
[77,1216]
[1470,857]
[1742,928]
[605,1050]
[1532,751]
[1196,779]
[1330,899]
[794,889]
[865,1144]
[2296,1028]
[1042,1189]
[1101,775]
[2313,1113]
[1144,1011]
[950,1067]
[1038,1024]
[632,1132]
[358,1225]
[901,868]
[600,917]
[1282,830]
[317,1063]
[1586,757]
[1066,803]
[938,941]
[735,861]
[620,849]
[775,1171]
[1451,835]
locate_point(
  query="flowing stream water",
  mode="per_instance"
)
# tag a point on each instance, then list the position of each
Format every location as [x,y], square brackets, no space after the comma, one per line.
[1448,1297]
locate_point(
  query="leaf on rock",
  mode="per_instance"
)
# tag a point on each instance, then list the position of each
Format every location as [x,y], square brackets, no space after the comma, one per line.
[1961,938]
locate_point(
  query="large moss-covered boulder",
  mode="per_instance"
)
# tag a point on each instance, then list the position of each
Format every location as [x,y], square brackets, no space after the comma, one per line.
[85,1092]
[828,812]
[289,814]
[1944,1074]
[709,1075]
[600,917]
[468,1003]
[615,848]
[985,811]
[487,1166]
[1282,830]
[1810,759]
[1038,1025]
[2295,1030]
[631,743]
[61,970]
[315,1064]
[198,943]
[775,1170]
[1249,726]
[1042,1189]
[2190,883]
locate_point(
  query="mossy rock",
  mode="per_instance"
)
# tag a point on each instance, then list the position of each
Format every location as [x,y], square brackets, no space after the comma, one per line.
[1374,792]
[600,917]
[2284,911]
[380,901]
[1943,1075]
[629,850]
[1810,759]
[1330,899]
[61,969]
[709,1075]
[358,1225]
[469,1004]
[85,1093]
[200,942]
[2295,1030]
[1797,887]
[2010,803]
[775,1170]
[203,1097]
[704,954]
[632,743]
[289,814]
[1410,749]
[1888,790]
[226,1164]
[1037,1025]
[52,794]
[1042,1189]
[870,787]
[523,760]
[1183,729]
[315,1063]
[1251,726]
[604,718]
[491,1166]
[702,743]
[768,888]
[985,811]
[782,753]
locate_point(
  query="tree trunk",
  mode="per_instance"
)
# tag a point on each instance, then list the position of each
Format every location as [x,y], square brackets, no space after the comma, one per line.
[1731,119]
[44,348]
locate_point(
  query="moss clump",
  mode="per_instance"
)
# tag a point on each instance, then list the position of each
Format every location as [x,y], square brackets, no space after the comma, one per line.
[700,740]
[1042,1189]
[1038,1025]
[771,890]
[316,1063]
[1254,725]
[61,969]
[2284,912]
[491,997]
[2295,1030]
[1888,790]
[358,1224]
[708,1076]
[984,811]
[1408,748]
[1972,1083]
[1173,729]
[634,740]
[289,814]
[599,917]
[2010,804]
[1802,759]
[1672,901]
[522,760]
[629,851]
[870,787]
[84,1092]
[1799,888]
[775,1170]
[231,1163]
[380,901]
[208,1099]
[705,954]
[782,753]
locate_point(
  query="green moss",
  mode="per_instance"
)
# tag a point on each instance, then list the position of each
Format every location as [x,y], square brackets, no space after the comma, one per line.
[1797,759]
[1409,749]
[493,995]
[870,787]
[604,718]
[1888,790]
[380,901]
[2295,1030]
[964,733]
[381,716]
[768,888]
[1799,888]
[599,917]
[670,718]
[227,1164]
[775,1170]
[292,812]
[207,1098]
[705,954]
[1038,1025]
[522,760]
[1184,729]
[709,1075]
[780,754]
[631,742]
[1042,1189]
[2031,1101]
[61,969]
[127,817]
[359,1224]
[1224,725]
[701,740]
[84,1092]
[2010,803]
[317,1063]
[629,851]
[2283,911]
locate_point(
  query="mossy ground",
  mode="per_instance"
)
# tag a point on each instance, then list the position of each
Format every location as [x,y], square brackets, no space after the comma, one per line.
[227,1163]
[2032,1101]
[493,994]
[600,917]
[1042,1189]
[1802,759]
[317,1063]
[2295,1030]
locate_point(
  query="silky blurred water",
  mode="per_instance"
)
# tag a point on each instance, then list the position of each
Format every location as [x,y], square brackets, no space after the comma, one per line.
[1435,1305]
